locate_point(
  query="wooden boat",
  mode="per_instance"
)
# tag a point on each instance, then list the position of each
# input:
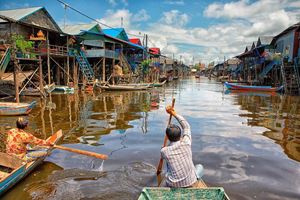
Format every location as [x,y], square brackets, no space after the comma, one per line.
[162,193]
[253,88]
[36,92]
[159,84]
[123,87]
[198,191]
[18,168]
[64,89]
[9,108]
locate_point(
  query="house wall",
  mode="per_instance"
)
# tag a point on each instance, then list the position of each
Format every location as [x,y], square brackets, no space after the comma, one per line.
[285,45]
[7,28]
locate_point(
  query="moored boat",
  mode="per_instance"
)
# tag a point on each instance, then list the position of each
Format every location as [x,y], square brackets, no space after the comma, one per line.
[64,89]
[159,84]
[10,108]
[123,87]
[36,92]
[253,88]
[17,168]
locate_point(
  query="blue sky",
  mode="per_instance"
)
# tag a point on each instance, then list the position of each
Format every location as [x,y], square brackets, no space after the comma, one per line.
[200,29]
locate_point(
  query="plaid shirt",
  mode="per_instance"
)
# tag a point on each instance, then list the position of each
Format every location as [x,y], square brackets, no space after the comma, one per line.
[17,140]
[178,155]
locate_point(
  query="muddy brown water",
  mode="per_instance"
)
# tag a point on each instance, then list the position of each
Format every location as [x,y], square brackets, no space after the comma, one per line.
[248,143]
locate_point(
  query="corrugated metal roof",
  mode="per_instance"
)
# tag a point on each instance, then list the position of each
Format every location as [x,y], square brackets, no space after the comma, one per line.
[18,14]
[117,33]
[76,29]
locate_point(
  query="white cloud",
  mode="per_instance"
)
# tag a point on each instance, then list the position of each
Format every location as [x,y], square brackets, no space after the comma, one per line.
[113,18]
[112,2]
[142,15]
[115,2]
[174,2]
[174,17]
[246,21]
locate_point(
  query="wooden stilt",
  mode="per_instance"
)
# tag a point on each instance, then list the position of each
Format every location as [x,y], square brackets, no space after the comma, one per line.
[68,62]
[48,59]
[75,77]
[16,72]
[41,85]
[103,65]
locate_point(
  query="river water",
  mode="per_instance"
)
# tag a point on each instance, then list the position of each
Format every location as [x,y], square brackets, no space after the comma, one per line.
[248,143]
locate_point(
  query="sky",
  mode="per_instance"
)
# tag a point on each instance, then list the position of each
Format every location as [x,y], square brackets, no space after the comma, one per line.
[192,31]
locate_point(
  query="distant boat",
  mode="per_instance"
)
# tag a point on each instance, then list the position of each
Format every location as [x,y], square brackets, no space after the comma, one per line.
[36,92]
[64,89]
[253,88]
[10,108]
[124,87]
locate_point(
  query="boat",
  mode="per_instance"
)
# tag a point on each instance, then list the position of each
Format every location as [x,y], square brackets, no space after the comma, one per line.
[162,193]
[10,108]
[159,84]
[231,86]
[17,168]
[124,87]
[36,92]
[64,89]
[198,191]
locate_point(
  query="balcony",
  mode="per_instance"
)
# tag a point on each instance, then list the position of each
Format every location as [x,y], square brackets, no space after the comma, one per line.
[96,53]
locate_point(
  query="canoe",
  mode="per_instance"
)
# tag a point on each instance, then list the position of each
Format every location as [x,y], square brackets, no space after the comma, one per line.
[232,86]
[19,169]
[198,191]
[36,92]
[165,193]
[159,84]
[10,108]
[123,87]
[64,89]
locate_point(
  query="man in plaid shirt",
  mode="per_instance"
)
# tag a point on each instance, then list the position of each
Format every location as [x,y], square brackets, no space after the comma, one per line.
[178,154]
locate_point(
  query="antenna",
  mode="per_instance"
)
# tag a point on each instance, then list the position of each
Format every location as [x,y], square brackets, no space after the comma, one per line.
[121,22]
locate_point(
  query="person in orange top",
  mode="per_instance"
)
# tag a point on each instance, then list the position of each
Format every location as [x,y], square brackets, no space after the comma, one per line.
[18,138]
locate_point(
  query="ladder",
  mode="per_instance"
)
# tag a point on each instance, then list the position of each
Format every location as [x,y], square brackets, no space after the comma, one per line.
[84,65]
[4,61]
[124,62]
[297,76]
[283,77]
[267,69]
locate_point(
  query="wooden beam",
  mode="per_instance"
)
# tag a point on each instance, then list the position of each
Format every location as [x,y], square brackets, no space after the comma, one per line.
[16,71]
[68,62]
[41,85]
[48,59]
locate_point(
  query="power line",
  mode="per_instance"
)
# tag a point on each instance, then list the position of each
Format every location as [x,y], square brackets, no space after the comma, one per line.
[93,19]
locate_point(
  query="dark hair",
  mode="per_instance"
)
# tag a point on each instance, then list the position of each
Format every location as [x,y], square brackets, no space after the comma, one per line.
[173,132]
[21,123]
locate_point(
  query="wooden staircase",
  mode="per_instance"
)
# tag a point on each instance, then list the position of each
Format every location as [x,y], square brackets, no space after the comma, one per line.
[84,66]
[290,79]
[5,58]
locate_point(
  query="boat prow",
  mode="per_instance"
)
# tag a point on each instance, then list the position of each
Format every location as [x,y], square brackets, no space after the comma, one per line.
[11,108]
[19,168]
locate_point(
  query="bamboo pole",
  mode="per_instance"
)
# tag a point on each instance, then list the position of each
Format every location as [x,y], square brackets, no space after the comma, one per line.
[68,62]
[103,66]
[41,76]
[48,59]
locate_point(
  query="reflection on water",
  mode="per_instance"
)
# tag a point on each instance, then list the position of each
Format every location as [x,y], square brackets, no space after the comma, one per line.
[279,114]
[233,137]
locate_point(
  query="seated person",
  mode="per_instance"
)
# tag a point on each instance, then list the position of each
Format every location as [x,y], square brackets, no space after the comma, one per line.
[18,138]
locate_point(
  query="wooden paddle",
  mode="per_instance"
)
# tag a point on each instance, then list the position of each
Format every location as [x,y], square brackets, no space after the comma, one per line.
[160,164]
[87,153]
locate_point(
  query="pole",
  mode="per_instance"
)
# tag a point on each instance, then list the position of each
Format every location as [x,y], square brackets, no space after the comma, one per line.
[48,59]
[41,76]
